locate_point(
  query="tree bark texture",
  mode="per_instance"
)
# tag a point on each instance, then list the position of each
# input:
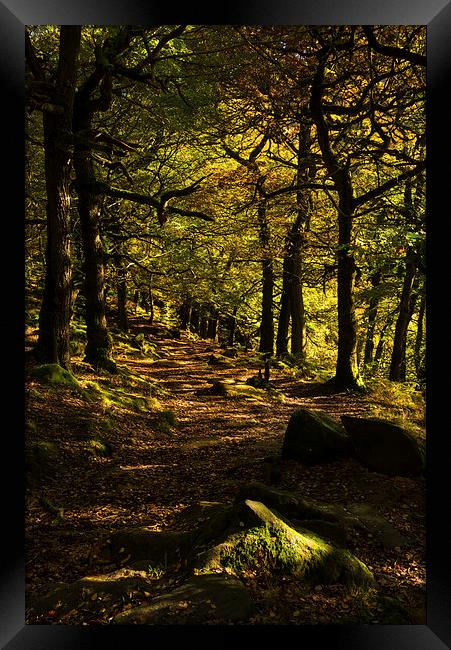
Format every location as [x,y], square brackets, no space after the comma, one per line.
[55,312]
[121,289]
[346,371]
[267,317]
[372,316]
[406,306]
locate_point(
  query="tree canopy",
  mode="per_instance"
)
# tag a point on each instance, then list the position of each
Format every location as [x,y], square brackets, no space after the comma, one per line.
[272,176]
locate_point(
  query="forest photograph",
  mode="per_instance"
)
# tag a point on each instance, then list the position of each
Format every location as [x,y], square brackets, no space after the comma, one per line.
[225,325]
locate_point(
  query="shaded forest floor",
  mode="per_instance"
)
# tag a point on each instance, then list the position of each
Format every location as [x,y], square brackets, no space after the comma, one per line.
[150,443]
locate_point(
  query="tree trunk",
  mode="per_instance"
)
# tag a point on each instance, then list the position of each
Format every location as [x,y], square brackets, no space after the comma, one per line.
[203,326]
[231,324]
[121,288]
[98,346]
[267,317]
[284,314]
[195,319]
[55,312]
[381,343]
[185,313]
[418,357]
[305,172]
[372,316]
[212,328]
[346,371]
[298,326]
[397,364]
[151,302]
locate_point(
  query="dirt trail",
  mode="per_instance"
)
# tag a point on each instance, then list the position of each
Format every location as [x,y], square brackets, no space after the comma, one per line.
[154,472]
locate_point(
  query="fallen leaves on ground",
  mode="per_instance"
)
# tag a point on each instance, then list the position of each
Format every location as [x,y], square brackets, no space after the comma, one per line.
[155,472]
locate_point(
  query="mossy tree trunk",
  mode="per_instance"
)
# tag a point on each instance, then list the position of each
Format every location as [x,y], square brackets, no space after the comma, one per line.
[292,300]
[382,339]
[98,346]
[408,293]
[195,318]
[55,312]
[203,325]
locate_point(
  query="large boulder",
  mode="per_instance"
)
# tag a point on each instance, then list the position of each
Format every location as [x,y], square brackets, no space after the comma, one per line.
[383,446]
[264,543]
[209,598]
[313,436]
[333,522]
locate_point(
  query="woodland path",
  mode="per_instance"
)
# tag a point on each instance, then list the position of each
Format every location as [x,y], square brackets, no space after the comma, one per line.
[154,473]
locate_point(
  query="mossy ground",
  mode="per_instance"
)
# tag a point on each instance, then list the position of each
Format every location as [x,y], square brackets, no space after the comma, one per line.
[55,375]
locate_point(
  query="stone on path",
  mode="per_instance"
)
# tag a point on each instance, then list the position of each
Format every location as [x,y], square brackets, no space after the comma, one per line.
[313,436]
[383,446]
[266,543]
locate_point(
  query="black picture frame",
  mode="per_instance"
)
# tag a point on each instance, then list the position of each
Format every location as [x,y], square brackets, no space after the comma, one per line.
[14,15]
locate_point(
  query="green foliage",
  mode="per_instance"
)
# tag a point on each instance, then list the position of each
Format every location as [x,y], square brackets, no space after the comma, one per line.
[155,572]
[208,92]
[262,549]
[99,447]
[398,402]
[118,397]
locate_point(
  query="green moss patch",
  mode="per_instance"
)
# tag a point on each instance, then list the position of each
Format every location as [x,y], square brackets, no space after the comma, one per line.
[267,544]
[99,447]
[54,374]
[117,397]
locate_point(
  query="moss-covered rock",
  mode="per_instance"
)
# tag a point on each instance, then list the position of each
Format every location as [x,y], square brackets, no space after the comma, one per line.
[328,530]
[268,544]
[118,397]
[54,374]
[333,521]
[313,436]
